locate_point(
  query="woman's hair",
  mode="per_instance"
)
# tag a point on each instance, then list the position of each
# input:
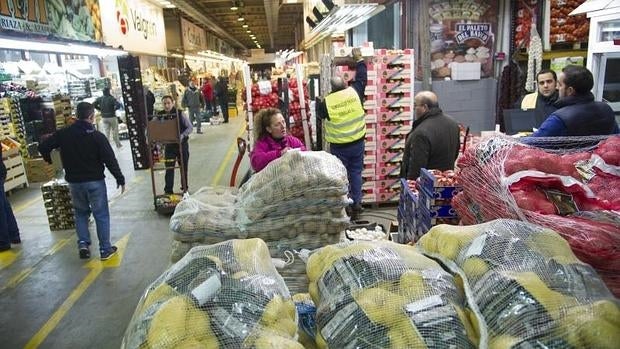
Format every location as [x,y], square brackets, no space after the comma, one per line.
[262,120]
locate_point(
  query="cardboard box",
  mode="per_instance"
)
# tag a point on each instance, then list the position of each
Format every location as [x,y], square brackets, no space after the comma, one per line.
[370,159]
[428,183]
[391,143]
[465,71]
[392,184]
[371,118]
[386,170]
[389,156]
[37,170]
[403,74]
[393,131]
[388,197]
[394,59]
[395,102]
[395,116]
[394,87]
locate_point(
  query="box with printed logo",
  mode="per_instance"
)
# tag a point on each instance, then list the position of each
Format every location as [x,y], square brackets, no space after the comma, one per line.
[428,183]
[391,52]
[370,146]
[393,130]
[369,171]
[369,186]
[389,196]
[371,118]
[395,116]
[395,102]
[395,87]
[391,184]
[369,198]
[436,208]
[386,170]
[395,73]
[391,144]
[393,59]
[387,156]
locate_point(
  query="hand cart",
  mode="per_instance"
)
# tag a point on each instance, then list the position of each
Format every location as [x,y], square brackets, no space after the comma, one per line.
[162,131]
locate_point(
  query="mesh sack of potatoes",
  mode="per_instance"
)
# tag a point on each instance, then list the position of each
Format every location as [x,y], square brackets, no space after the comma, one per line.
[311,174]
[386,295]
[227,295]
[528,285]
[297,205]
[291,226]
[292,268]
[208,212]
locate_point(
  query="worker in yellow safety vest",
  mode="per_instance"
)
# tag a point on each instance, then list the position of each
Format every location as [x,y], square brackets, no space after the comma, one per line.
[344,126]
[543,100]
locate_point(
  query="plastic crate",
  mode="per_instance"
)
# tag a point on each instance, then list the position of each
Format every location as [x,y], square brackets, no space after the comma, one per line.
[428,182]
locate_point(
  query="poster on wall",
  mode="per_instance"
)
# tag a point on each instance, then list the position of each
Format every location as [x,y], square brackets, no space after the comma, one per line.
[194,37]
[137,25]
[75,20]
[462,31]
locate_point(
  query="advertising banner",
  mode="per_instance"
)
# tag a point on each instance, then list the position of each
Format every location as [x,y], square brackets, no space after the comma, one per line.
[78,20]
[462,31]
[137,25]
[194,37]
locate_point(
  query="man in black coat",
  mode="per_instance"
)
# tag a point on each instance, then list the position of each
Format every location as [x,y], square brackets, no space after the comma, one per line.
[85,153]
[221,92]
[434,140]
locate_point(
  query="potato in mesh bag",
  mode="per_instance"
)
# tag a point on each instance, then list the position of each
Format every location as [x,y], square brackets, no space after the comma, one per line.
[385,295]
[226,295]
[528,285]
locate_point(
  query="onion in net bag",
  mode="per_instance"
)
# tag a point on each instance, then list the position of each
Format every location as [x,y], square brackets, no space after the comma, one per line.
[528,285]
[386,295]
[563,183]
[227,295]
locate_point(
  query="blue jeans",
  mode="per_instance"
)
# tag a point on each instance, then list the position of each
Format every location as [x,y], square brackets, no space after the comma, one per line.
[194,116]
[8,225]
[91,197]
[352,156]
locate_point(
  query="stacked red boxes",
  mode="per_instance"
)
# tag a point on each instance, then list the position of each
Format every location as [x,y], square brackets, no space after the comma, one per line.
[394,118]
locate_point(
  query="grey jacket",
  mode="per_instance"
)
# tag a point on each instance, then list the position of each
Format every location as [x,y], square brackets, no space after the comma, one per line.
[193,99]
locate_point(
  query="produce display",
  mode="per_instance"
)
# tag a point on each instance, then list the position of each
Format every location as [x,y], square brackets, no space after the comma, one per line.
[265,95]
[567,28]
[227,295]
[570,186]
[531,290]
[526,14]
[386,295]
[297,201]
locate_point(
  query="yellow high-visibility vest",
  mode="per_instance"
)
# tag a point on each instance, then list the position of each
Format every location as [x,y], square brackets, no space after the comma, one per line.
[346,117]
[529,101]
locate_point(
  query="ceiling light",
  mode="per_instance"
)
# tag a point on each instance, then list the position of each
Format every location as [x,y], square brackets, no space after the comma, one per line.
[234,6]
[241,19]
[248,31]
[245,25]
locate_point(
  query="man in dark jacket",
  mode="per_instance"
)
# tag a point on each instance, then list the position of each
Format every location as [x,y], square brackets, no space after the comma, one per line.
[171,152]
[108,105]
[84,152]
[221,92]
[542,101]
[9,232]
[434,140]
[150,101]
[345,127]
[578,114]
[194,102]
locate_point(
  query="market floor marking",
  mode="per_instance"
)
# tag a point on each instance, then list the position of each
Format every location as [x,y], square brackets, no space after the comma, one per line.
[8,257]
[229,154]
[96,266]
[27,204]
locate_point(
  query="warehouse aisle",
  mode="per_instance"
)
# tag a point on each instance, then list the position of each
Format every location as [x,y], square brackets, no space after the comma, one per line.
[52,299]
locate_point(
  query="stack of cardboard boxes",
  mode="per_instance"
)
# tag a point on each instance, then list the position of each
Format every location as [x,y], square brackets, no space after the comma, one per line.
[58,205]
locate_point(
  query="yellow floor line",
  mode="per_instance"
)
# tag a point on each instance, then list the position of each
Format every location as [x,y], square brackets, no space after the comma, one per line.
[8,257]
[57,246]
[19,277]
[226,161]
[51,324]
[26,205]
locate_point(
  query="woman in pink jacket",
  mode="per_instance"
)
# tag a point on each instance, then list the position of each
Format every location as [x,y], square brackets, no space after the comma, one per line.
[270,138]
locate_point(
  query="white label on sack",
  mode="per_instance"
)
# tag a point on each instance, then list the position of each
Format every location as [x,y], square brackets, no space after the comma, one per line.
[264,87]
[207,289]
[476,246]
[425,303]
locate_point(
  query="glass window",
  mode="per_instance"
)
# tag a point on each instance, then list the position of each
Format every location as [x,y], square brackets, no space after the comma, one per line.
[384,28]
[610,30]
[611,83]
[10,55]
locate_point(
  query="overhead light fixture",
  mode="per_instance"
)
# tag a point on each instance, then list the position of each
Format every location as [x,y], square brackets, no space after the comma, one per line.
[241,19]
[248,31]
[86,50]
[234,6]
[245,25]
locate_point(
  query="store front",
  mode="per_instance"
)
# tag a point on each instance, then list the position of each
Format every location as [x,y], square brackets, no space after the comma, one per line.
[49,61]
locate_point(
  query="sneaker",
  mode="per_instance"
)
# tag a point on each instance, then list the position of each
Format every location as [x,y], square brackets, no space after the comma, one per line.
[108,254]
[199,132]
[84,252]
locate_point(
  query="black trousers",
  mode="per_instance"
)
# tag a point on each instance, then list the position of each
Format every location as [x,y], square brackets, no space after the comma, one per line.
[224,107]
[172,156]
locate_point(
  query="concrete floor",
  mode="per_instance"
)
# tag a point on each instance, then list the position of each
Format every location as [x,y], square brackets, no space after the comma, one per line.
[49,298]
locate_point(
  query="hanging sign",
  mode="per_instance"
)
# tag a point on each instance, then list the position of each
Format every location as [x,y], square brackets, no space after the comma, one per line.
[29,16]
[137,25]
[75,20]
[194,37]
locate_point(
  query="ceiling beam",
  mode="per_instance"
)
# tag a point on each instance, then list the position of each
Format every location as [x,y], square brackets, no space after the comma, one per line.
[193,12]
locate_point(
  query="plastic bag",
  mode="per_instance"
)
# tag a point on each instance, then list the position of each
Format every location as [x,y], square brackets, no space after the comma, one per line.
[386,295]
[227,295]
[528,285]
